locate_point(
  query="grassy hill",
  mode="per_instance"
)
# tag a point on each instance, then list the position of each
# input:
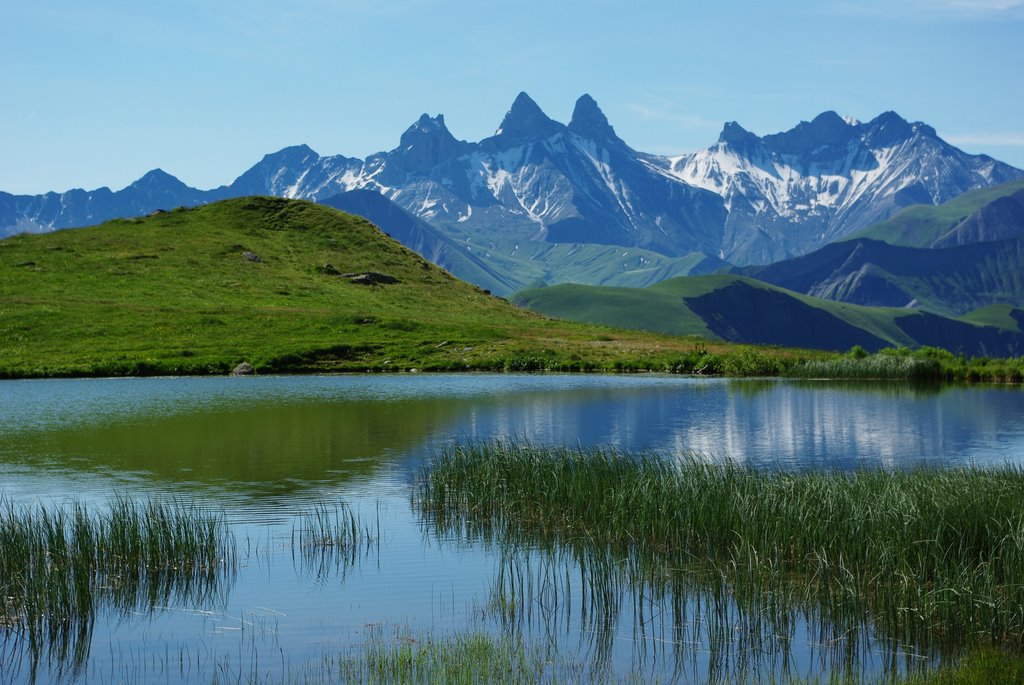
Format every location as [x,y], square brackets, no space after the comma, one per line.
[954,222]
[745,310]
[261,280]
[951,280]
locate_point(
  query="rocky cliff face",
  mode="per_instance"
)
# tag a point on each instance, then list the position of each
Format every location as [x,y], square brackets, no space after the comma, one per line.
[790,193]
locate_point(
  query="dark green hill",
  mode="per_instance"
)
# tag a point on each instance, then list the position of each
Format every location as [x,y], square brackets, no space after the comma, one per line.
[745,310]
[286,285]
[951,281]
[994,213]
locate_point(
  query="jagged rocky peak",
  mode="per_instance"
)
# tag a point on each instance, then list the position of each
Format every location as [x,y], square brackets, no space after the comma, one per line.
[828,129]
[157,179]
[888,129]
[293,154]
[590,122]
[735,136]
[526,122]
[426,127]
[275,171]
[427,143]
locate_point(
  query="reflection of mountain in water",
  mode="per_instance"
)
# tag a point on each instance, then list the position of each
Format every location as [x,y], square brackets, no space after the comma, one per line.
[289,435]
[773,423]
[263,447]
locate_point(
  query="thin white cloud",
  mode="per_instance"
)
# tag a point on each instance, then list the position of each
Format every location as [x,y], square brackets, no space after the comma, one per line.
[669,114]
[929,10]
[998,139]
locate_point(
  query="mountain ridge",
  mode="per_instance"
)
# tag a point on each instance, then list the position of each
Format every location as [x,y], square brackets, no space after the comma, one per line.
[538,183]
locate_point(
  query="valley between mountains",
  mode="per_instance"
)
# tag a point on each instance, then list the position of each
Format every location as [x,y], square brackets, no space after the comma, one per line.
[874,233]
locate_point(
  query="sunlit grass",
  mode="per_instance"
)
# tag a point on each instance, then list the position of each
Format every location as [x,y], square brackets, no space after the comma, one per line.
[61,566]
[330,538]
[929,561]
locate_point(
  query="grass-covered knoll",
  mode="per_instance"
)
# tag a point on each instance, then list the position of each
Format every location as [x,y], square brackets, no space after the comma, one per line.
[931,561]
[261,280]
[744,310]
[925,225]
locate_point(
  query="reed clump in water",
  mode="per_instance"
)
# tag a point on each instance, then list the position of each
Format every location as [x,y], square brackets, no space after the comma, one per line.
[932,559]
[59,566]
[876,367]
[330,538]
[460,658]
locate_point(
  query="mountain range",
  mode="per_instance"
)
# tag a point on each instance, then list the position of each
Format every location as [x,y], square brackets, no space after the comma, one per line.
[542,201]
[950,276]
[950,259]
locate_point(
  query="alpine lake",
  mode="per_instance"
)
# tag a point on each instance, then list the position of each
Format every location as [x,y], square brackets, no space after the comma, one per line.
[274,457]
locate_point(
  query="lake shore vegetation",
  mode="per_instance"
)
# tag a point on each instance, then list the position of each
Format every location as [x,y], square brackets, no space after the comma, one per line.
[293,287]
[926,563]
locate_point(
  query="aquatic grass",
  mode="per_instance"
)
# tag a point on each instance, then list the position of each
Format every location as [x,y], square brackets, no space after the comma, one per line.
[876,367]
[393,655]
[330,538]
[985,666]
[924,365]
[462,658]
[60,566]
[932,560]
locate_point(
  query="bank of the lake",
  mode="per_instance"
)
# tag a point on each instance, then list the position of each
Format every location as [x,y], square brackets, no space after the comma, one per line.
[286,286]
[294,287]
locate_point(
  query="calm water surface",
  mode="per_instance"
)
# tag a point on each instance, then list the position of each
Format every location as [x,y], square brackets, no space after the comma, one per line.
[266,449]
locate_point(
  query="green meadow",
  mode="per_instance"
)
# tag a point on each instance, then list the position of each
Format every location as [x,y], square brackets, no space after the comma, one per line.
[293,287]
[174,293]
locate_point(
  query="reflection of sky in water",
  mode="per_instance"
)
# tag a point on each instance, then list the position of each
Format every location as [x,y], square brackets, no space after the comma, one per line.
[264,448]
[787,424]
[773,423]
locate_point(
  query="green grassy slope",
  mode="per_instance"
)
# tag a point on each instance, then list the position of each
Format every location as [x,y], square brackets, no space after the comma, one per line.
[648,309]
[999,316]
[744,310]
[173,293]
[923,225]
[521,264]
[950,281]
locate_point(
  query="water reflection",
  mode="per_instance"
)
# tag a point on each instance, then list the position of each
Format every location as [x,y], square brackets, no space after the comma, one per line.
[264,448]
[282,436]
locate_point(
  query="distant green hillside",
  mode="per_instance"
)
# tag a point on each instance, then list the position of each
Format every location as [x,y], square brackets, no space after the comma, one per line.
[285,285]
[491,260]
[741,309]
[954,223]
[998,315]
[516,266]
[950,281]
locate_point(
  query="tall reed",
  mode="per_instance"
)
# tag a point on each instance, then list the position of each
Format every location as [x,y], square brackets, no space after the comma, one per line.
[59,566]
[876,367]
[330,538]
[930,559]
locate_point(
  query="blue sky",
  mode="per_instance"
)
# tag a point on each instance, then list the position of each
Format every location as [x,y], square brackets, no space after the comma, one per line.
[98,93]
